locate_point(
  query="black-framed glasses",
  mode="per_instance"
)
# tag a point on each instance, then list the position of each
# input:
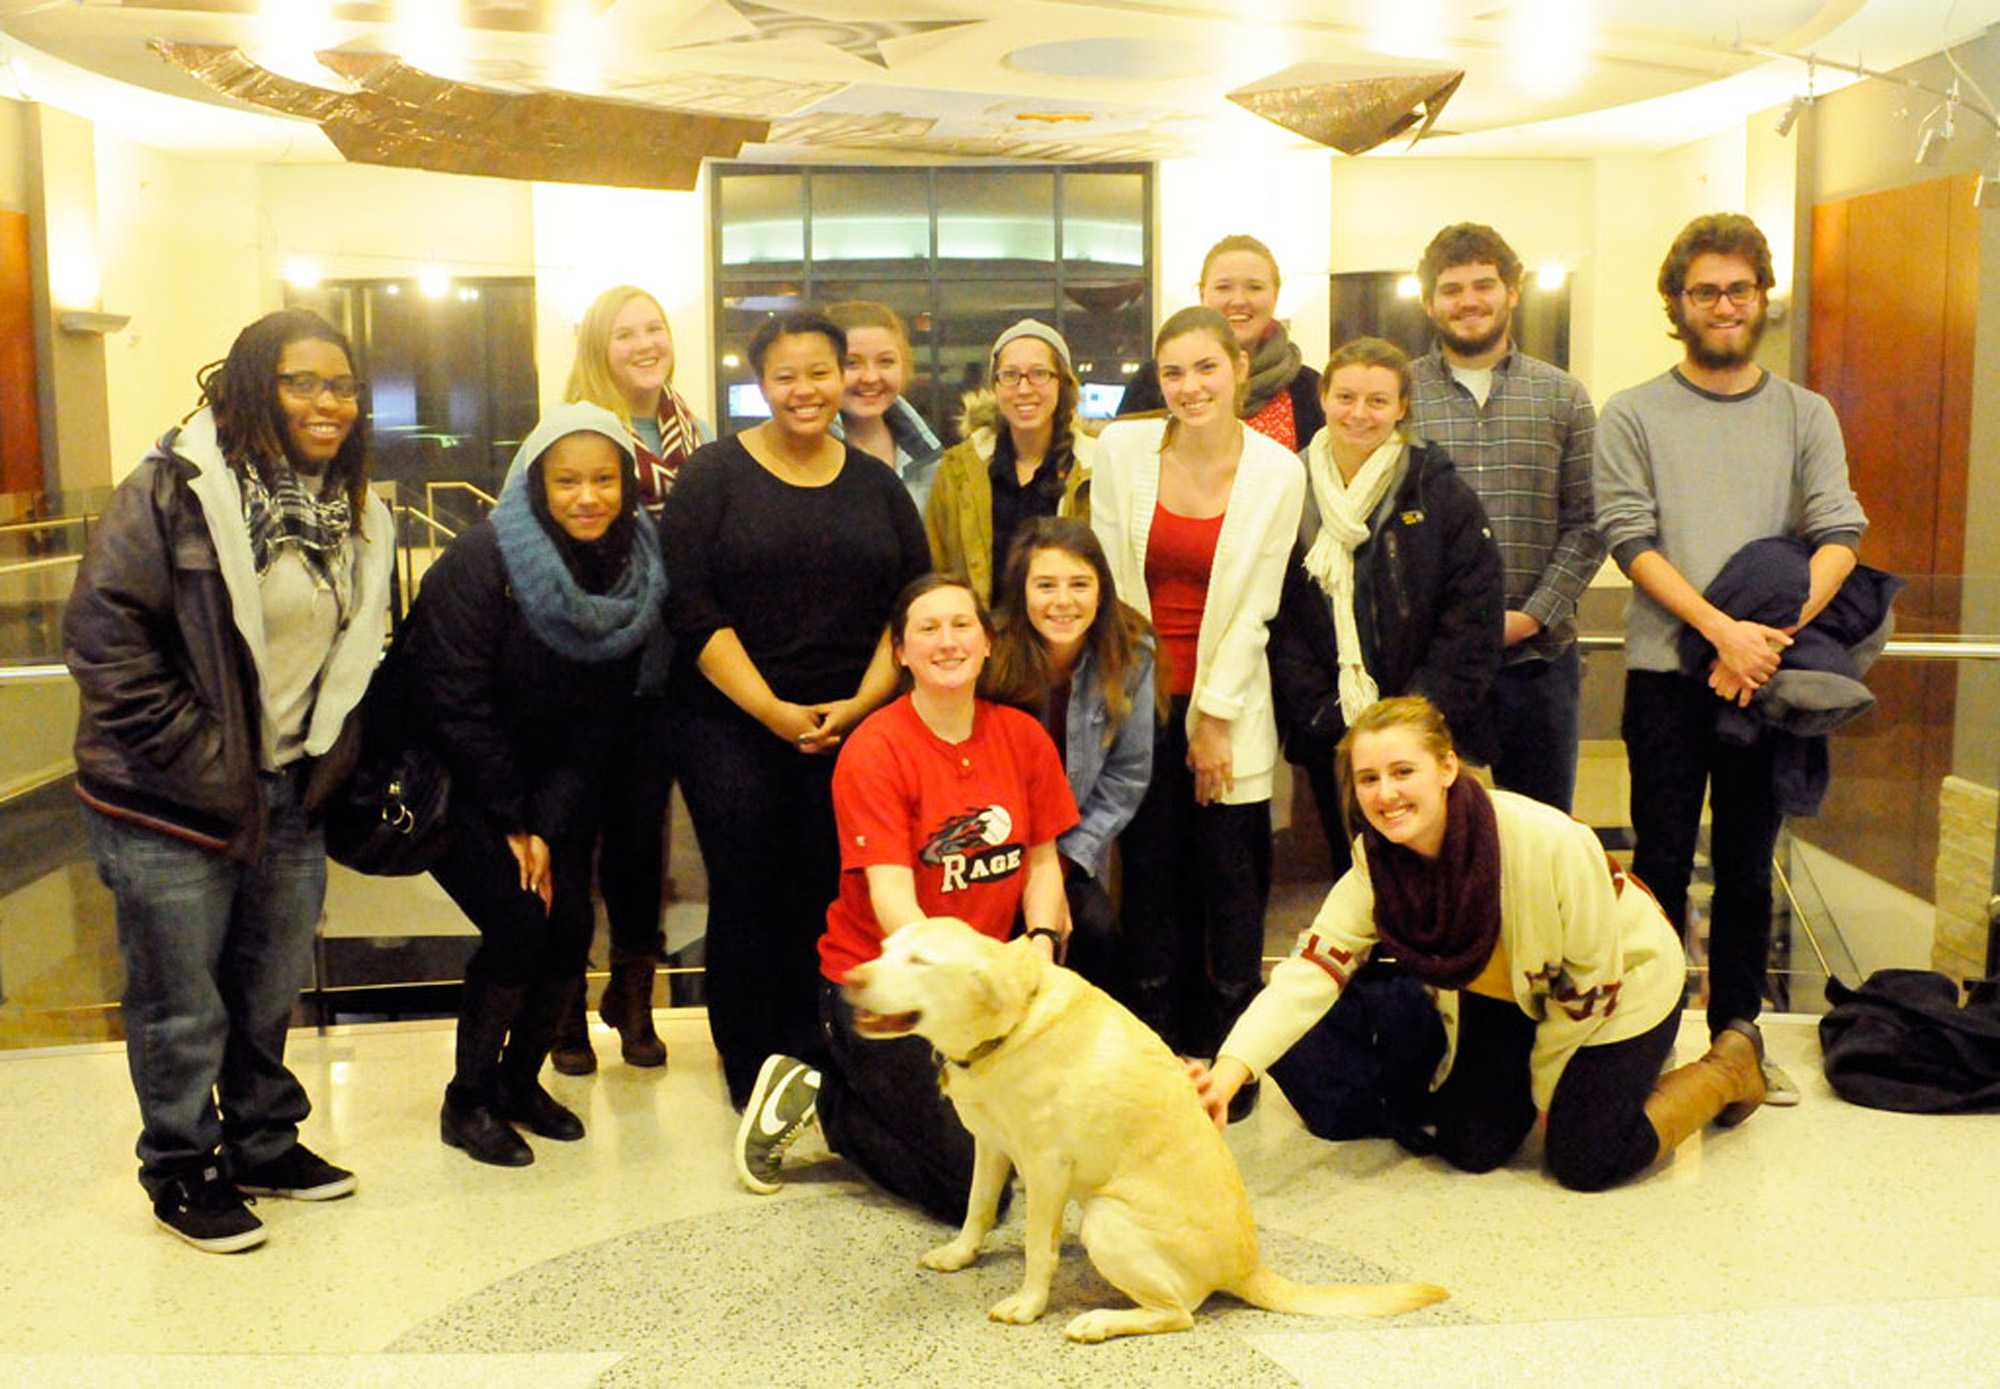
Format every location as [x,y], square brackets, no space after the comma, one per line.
[1740,293]
[307,385]
[1011,377]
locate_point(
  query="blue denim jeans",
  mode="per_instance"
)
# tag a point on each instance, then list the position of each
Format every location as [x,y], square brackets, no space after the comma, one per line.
[1535,715]
[216,952]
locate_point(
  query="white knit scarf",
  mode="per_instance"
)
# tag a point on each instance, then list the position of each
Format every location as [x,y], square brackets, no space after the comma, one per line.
[1344,509]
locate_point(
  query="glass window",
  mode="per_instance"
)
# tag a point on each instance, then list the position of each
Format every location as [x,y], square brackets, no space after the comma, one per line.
[970,315]
[1384,304]
[1104,221]
[1108,325]
[871,221]
[760,220]
[1005,220]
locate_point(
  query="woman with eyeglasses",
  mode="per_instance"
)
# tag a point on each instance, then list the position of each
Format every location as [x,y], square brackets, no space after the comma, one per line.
[1281,400]
[874,416]
[1022,456]
[1197,513]
[225,622]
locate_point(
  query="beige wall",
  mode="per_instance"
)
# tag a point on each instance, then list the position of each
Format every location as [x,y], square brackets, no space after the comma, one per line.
[180,254]
[588,239]
[13,155]
[1284,200]
[60,180]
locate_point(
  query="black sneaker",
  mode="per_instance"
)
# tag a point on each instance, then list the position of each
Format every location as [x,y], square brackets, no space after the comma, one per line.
[298,1173]
[207,1212]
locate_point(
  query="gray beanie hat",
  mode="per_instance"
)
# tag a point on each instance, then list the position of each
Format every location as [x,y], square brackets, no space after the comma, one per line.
[1041,332]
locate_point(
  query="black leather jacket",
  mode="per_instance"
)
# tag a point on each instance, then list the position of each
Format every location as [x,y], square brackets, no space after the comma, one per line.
[1429,603]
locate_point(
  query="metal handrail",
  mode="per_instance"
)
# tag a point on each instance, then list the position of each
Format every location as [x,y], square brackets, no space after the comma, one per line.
[1913,648]
[48,523]
[27,565]
[431,489]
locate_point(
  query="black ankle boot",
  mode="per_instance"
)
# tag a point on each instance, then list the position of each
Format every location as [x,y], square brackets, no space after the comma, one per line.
[542,1113]
[523,1099]
[628,1006]
[476,1127]
[470,1118]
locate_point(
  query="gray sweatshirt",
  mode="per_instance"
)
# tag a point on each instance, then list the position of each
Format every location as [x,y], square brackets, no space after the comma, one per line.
[1697,476]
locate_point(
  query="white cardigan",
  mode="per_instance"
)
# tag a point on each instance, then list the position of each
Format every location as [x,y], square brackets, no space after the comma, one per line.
[1232,679]
[1591,957]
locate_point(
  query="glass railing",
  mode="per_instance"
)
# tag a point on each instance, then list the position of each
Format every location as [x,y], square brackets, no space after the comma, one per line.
[1897,870]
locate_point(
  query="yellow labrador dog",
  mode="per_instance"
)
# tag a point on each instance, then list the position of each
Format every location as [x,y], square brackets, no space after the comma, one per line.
[1052,1076]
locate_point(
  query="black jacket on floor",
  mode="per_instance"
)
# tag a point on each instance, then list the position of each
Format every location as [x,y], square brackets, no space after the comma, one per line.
[1901,1042]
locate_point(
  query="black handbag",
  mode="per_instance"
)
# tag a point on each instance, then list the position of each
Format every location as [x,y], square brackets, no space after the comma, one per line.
[392,817]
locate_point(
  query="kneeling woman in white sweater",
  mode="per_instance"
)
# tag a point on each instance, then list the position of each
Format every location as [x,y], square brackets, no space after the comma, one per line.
[1556,975]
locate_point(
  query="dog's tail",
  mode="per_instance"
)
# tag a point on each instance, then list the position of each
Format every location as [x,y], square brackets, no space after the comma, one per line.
[1276,1293]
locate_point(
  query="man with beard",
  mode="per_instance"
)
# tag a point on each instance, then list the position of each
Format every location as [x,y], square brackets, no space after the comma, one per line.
[1519,431]
[1690,467]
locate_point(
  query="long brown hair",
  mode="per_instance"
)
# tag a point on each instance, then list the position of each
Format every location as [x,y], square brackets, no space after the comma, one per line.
[241,392]
[1018,673]
[1199,318]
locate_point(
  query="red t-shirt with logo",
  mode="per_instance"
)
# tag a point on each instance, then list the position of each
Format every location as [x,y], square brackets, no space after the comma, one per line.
[961,816]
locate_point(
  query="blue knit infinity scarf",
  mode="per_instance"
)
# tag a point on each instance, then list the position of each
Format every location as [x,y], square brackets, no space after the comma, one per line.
[582,626]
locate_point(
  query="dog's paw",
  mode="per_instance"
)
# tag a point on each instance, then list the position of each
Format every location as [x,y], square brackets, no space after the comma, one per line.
[1020,1309]
[950,1258]
[1089,1327]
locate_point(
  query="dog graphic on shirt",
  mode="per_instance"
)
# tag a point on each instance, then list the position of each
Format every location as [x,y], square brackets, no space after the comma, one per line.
[973,847]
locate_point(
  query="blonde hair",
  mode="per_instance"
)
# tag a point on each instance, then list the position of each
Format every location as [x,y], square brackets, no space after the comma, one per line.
[1403,711]
[867,313]
[590,370]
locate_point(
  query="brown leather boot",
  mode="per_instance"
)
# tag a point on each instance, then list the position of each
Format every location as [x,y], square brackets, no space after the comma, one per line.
[1725,1085]
[628,1006]
[572,1054]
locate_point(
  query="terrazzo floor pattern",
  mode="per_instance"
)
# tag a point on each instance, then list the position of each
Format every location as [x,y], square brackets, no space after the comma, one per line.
[1824,1245]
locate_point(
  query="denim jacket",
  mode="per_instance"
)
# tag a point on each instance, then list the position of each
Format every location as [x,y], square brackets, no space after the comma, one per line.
[1107,782]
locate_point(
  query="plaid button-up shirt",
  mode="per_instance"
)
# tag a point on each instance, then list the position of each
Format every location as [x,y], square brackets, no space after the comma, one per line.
[1527,453]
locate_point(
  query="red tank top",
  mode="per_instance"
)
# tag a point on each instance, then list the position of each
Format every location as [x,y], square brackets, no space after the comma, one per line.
[1179,554]
[1277,420]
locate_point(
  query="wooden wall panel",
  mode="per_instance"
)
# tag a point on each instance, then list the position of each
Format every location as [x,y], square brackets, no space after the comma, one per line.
[1895,297]
[20,425]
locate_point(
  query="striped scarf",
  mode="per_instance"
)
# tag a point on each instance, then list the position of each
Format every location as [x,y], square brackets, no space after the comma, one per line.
[679,437]
[285,514]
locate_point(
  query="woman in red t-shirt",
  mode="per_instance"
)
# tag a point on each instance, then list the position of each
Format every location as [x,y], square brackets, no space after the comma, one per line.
[947,805]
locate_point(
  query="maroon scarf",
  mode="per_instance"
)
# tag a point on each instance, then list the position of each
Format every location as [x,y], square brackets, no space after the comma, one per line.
[1441,916]
[679,437]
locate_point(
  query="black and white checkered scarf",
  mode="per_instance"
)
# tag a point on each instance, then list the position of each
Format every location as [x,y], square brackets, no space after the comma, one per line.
[285,513]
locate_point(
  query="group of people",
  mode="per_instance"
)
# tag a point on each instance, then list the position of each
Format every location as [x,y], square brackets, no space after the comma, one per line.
[897,680]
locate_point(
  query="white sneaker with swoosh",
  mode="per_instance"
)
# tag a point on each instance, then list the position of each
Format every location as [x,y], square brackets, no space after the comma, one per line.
[783,1104]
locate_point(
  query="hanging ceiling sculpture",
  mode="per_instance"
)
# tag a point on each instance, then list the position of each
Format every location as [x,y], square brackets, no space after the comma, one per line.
[1351,115]
[399,116]
[858,38]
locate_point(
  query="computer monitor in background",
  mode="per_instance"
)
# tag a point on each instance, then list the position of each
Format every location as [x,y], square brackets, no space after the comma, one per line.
[1098,401]
[746,401]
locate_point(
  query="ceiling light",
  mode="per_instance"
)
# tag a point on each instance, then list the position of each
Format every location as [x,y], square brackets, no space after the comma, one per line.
[1551,274]
[1409,29]
[731,360]
[1793,110]
[1550,42]
[427,37]
[1409,287]
[289,33]
[301,273]
[578,50]
[433,282]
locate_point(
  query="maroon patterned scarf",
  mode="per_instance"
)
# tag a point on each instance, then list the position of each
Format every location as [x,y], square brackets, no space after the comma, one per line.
[679,437]
[1441,916]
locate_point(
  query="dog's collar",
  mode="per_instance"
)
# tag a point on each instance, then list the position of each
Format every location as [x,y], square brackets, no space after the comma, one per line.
[990,1045]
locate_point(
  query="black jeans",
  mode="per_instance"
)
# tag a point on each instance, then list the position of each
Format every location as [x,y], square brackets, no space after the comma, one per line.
[631,858]
[1674,754]
[763,815]
[880,1108]
[1598,1133]
[519,944]
[1197,881]
[1535,717]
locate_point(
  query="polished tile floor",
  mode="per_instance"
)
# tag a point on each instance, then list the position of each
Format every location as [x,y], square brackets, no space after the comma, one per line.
[1824,1245]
